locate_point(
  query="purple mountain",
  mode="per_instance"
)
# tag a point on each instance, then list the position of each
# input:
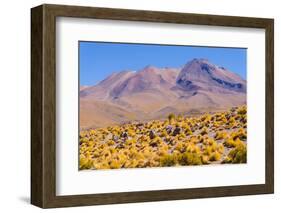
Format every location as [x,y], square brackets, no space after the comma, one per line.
[152,93]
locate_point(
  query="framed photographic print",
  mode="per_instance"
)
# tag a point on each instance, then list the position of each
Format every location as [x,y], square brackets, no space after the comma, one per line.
[136,106]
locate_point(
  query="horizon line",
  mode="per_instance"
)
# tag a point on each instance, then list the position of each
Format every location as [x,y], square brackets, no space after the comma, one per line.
[165,67]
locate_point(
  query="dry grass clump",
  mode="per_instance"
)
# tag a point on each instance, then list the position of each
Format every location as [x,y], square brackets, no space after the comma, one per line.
[237,155]
[221,135]
[177,141]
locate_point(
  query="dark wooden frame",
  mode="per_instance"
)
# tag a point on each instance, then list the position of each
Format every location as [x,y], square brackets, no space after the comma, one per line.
[43,105]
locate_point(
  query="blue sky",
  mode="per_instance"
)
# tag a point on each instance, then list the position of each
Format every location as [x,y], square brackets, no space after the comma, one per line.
[99,59]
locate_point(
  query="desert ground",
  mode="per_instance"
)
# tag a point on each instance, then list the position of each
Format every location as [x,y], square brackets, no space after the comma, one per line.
[177,140]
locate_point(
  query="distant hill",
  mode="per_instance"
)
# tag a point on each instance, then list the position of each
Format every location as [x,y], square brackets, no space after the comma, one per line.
[83,87]
[153,93]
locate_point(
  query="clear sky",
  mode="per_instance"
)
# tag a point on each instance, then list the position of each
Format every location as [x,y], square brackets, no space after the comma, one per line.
[97,60]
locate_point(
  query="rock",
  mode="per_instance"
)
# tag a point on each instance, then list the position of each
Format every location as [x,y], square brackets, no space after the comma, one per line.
[153,144]
[233,109]
[138,145]
[228,116]
[115,138]
[243,120]
[169,129]
[120,146]
[152,134]
[176,131]
[139,125]
[124,134]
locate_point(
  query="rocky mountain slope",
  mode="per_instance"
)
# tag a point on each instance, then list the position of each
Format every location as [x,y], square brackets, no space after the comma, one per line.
[153,93]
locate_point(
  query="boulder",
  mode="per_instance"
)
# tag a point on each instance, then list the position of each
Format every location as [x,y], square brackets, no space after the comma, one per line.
[124,135]
[152,134]
[177,131]
[169,129]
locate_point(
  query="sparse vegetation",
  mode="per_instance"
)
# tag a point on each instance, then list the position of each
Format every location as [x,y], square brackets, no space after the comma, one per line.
[171,117]
[177,141]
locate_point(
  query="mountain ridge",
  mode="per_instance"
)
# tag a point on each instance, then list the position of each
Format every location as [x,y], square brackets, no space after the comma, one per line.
[148,93]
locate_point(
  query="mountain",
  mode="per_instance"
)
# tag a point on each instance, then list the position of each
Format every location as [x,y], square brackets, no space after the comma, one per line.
[128,83]
[83,87]
[153,93]
[201,74]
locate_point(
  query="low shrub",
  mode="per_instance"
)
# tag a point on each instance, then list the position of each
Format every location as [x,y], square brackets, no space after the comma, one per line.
[238,154]
[215,156]
[168,160]
[189,158]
